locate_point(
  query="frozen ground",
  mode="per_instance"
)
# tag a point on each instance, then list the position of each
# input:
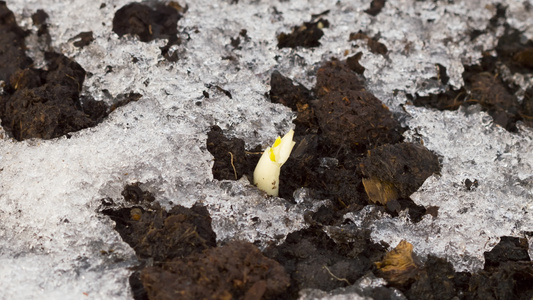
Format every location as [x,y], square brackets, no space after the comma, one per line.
[55,245]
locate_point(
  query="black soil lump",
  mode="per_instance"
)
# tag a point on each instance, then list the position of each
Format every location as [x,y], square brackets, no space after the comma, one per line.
[161,235]
[41,103]
[507,274]
[484,85]
[353,63]
[306,35]
[375,7]
[336,76]
[393,172]
[82,39]
[285,91]
[12,55]
[356,120]
[514,53]
[492,94]
[350,116]
[150,23]
[297,97]
[314,260]
[508,249]
[437,280]
[373,44]
[39,19]
[230,160]
[237,270]
[45,104]
[405,166]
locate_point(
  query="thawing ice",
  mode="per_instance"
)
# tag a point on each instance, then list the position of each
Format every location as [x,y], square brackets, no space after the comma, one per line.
[55,244]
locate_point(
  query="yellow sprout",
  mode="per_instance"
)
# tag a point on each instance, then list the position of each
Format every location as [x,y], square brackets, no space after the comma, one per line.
[266,174]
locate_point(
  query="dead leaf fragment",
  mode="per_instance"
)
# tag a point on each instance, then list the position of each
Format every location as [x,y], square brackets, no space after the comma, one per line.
[379,191]
[398,265]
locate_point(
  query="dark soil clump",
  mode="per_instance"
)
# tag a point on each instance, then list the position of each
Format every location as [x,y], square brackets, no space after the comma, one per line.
[333,135]
[298,98]
[406,166]
[373,44]
[45,104]
[509,248]
[230,159]
[12,57]
[314,260]
[41,103]
[355,120]
[348,115]
[306,35]
[353,63]
[375,7]
[237,270]
[161,235]
[82,39]
[484,86]
[150,23]
[508,274]
[179,258]
[285,92]
[336,76]
[393,172]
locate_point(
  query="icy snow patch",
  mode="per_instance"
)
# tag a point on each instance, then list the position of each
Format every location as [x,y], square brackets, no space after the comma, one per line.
[469,222]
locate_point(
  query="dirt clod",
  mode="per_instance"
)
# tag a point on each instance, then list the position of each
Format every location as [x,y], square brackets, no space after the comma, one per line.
[237,270]
[150,23]
[373,44]
[82,39]
[485,86]
[306,35]
[314,260]
[161,235]
[230,159]
[375,7]
[45,104]
[12,57]
[405,166]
